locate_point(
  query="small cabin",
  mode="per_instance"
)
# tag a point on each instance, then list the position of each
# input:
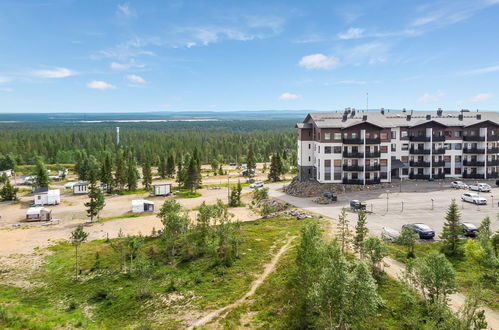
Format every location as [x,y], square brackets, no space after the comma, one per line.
[8,173]
[81,188]
[46,196]
[38,214]
[142,205]
[161,189]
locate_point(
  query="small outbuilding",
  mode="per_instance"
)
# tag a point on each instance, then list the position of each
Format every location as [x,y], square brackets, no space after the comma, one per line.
[46,196]
[142,205]
[161,189]
[81,188]
[8,173]
[38,214]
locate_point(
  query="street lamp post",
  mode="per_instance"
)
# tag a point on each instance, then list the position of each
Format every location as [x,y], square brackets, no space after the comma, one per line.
[402,206]
[432,203]
[387,192]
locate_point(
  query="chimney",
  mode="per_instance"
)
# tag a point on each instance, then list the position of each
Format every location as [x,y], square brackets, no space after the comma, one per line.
[439,112]
[353,112]
[428,117]
[478,116]
[382,111]
[409,117]
[404,110]
[460,116]
[364,117]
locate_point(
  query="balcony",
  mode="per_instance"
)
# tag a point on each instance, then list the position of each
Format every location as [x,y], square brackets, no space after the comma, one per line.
[360,181]
[374,154]
[353,141]
[473,163]
[438,164]
[426,176]
[493,162]
[473,151]
[493,138]
[347,154]
[414,151]
[373,168]
[419,138]
[373,141]
[474,138]
[493,151]
[439,151]
[353,168]
[493,175]
[472,176]
[419,164]
[438,138]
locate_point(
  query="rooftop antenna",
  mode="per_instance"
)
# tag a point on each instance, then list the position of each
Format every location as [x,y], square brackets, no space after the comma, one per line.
[117,135]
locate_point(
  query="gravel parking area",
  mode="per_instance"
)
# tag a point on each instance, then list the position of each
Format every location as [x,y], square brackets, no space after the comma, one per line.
[410,202]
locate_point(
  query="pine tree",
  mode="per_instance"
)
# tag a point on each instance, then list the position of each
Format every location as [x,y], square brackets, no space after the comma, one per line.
[452,231]
[344,231]
[360,231]
[8,192]
[235,195]
[106,174]
[170,166]
[191,175]
[41,175]
[250,161]
[180,174]
[120,174]
[274,172]
[162,167]
[131,176]
[96,202]
[146,175]
[78,236]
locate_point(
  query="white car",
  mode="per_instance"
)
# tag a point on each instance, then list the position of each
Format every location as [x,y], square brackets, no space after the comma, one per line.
[458,185]
[390,234]
[482,187]
[473,198]
[69,185]
[257,184]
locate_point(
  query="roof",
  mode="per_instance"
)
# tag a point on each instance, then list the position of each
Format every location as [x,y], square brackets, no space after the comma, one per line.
[81,184]
[41,190]
[398,119]
[36,210]
[141,201]
[161,184]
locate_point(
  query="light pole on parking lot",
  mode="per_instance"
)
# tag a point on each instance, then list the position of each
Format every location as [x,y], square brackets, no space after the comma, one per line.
[492,196]
[432,203]
[387,192]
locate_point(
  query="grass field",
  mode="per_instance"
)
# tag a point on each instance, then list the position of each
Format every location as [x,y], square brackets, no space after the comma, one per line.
[165,297]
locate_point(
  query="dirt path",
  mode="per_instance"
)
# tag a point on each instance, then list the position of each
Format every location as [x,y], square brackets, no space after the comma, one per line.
[268,268]
[456,301]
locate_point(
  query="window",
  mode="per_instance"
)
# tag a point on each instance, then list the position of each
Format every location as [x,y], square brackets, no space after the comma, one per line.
[405,171]
[327,169]
[383,149]
[309,146]
[405,146]
[404,159]
[458,133]
[458,146]
[383,136]
[457,170]
[383,162]
[318,149]
[327,150]
[337,150]
[354,135]
[337,136]
[327,136]
[394,147]
[457,159]
[394,134]
[404,134]
[309,158]
[447,146]
[355,175]
[383,175]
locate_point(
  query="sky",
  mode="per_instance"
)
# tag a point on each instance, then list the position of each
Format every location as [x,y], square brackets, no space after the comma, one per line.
[180,55]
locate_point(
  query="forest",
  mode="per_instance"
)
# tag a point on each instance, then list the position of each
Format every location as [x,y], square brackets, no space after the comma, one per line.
[225,141]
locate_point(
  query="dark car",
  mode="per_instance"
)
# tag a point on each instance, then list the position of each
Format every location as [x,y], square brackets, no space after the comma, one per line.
[469,229]
[424,231]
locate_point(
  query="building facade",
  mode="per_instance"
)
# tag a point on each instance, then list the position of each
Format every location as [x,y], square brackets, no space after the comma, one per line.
[354,147]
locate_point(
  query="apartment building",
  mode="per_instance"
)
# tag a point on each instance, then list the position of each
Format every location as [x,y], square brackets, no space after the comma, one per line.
[355,147]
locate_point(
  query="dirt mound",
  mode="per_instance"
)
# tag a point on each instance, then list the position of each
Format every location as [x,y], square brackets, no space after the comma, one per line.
[316,189]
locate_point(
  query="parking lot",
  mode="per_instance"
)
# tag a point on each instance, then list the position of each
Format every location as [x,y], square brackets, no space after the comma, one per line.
[410,202]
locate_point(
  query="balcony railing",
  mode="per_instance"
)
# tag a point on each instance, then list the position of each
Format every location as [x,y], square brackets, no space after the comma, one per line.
[347,154]
[493,150]
[439,151]
[373,141]
[438,164]
[473,163]
[419,164]
[374,154]
[360,181]
[493,162]
[353,141]
[493,175]
[493,138]
[474,138]
[416,151]
[438,138]
[419,138]
[472,176]
[426,176]
[473,151]
[373,168]
[353,168]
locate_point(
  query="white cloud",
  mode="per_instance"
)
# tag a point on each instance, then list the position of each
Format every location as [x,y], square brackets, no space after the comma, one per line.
[126,65]
[429,98]
[102,85]
[135,79]
[4,80]
[125,10]
[6,89]
[352,33]
[319,61]
[481,97]
[487,69]
[288,96]
[55,73]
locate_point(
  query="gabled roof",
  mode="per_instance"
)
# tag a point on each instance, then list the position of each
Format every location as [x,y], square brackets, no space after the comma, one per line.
[81,184]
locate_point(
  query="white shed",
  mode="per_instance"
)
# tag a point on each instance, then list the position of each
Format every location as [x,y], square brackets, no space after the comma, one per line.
[80,188]
[45,196]
[162,189]
[142,205]
[38,214]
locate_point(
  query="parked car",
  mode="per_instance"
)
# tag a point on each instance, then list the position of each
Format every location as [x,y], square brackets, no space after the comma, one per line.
[469,229]
[458,185]
[390,234]
[482,187]
[257,184]
[473,198]
[424,231]
[497,183]
[69,185]
[356,205]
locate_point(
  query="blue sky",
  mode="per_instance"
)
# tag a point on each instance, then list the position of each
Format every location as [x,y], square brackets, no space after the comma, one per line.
[174,55]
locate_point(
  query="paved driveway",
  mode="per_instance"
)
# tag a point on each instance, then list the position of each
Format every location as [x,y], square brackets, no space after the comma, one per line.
[407,204]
